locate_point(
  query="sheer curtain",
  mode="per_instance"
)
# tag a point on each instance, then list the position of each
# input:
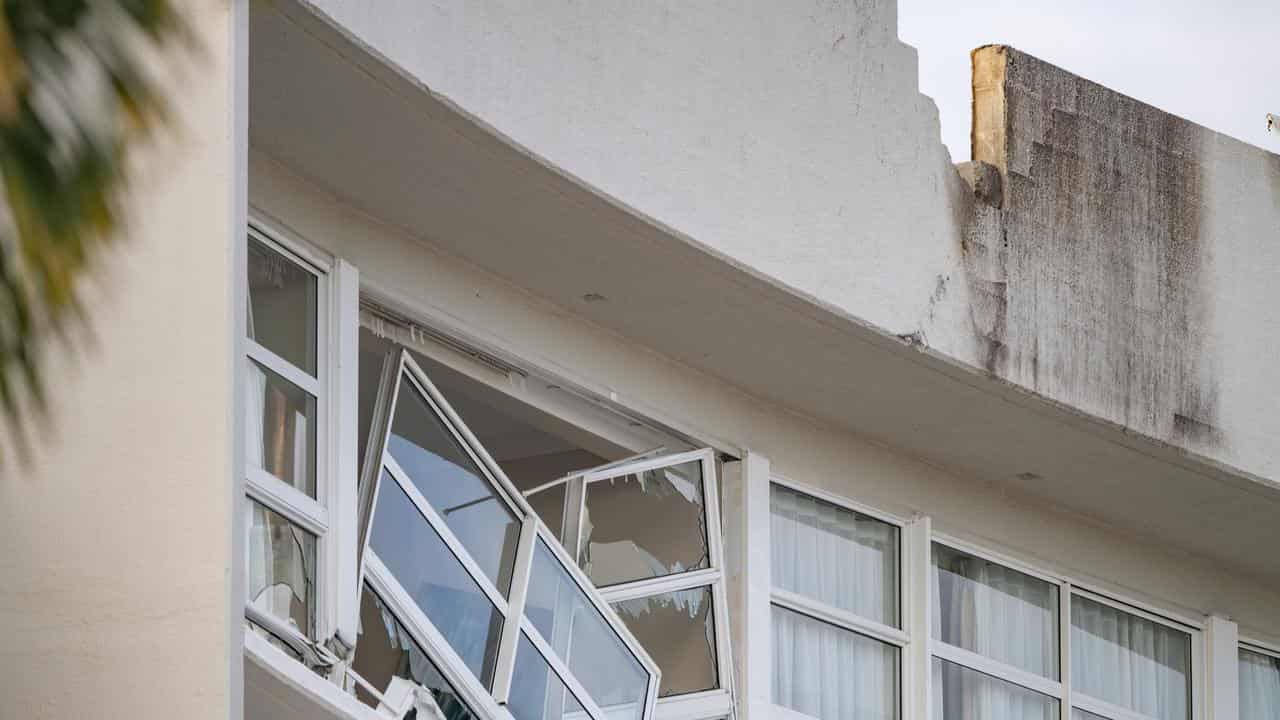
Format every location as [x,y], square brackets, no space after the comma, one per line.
[1259,686]
[846,560]
[1001,614]
[1130,661]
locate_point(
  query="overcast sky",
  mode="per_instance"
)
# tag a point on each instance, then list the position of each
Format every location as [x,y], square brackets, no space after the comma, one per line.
[1215,62]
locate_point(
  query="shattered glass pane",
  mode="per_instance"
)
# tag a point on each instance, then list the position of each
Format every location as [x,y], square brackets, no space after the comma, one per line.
[537,693]
[677,629]
[561,612]
[385,654]
[438,583]
[281,564]
[282,306]
[280,428]
[645,525]
[450,481]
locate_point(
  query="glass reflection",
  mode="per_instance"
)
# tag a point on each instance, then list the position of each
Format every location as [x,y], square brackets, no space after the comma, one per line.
[537,693]
[450,481]
[435,579]
[575,630]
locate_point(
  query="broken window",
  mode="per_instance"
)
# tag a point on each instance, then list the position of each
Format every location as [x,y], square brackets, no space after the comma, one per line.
[296,511]
[646,531]
[463,558]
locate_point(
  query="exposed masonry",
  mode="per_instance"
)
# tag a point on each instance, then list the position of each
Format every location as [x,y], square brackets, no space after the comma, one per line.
[1086,266]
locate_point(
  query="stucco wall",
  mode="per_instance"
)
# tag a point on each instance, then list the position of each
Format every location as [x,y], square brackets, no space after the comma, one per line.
[793,138]
[115,540]
[452,293]
[1133,273]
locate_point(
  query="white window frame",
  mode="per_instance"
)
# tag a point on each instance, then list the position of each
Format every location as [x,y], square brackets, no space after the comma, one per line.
[900,637]
[330,516]
[1061,689]
[401,366]
[705,704]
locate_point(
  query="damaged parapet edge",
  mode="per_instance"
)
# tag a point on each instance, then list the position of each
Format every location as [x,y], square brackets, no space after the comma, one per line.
[985,174]
[984,180]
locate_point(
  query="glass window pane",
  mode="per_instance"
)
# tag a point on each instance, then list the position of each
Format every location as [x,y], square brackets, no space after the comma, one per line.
[645,525]
[575,629]
[537,693]
[1259,686]
[960,693]
[677,629]
[282,568]
[834,555]
[830,673]
[385,651]
[1078,714]
[282,306]
[448,478]
[995,611]
[1130,661]
[549,504]
[433,577]
[280,428]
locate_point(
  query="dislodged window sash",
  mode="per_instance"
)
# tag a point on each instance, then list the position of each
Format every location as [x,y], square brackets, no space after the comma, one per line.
[646,530]
[298,422]
[461,556]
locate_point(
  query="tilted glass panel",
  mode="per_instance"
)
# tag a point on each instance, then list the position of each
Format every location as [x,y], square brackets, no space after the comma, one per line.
[429,572]
[995,611]
[834,555]
[562,613]
[280,428]
[960,693]
[1130,661]
[282,306]
[450,481]
[1259,686]
[644,525]
[678,631]
[281,562]
[537,693]
[830,673]
[386,652]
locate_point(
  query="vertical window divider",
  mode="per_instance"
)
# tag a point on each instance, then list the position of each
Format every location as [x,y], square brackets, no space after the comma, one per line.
[1064,647]
[342,492]
[506,663]
[916,598]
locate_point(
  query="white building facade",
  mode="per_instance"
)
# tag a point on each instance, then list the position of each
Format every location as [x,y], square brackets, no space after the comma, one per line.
[492,360]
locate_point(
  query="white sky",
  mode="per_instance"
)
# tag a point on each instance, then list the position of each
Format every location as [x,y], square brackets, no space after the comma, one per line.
[1215,62]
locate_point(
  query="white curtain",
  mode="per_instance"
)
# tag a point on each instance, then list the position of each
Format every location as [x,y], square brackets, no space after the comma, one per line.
[1001,614]
[830,673]
[1129,661]
[834,555]
[1259,686]
[849,561]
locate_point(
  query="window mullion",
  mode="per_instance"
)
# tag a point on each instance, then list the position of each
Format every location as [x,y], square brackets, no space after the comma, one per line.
[987,666]
[917,671]
[659,585]
[506,662]
[1064,648]
[283,368]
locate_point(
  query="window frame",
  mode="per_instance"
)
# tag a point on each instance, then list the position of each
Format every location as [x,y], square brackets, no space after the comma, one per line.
[900,637]
[1257,647]
[1062,690]
[330,515]
[398,367]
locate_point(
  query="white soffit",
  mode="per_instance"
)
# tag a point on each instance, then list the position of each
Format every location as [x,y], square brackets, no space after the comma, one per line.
[391,148]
